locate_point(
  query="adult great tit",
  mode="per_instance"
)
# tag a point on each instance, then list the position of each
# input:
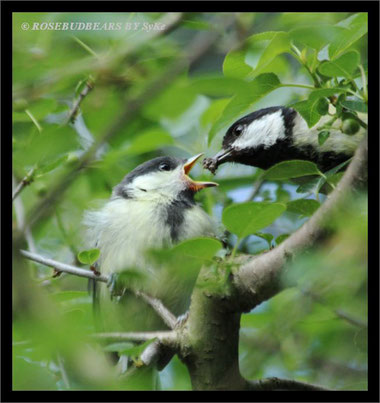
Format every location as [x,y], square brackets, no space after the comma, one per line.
[275,134]
[152,207]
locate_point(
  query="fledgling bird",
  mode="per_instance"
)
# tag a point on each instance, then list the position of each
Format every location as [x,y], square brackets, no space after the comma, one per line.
[275,134]
[152,207]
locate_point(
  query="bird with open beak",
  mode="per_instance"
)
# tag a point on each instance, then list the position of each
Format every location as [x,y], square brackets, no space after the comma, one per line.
[152,207]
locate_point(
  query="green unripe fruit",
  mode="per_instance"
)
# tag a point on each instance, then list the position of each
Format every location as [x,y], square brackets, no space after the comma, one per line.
[350,126]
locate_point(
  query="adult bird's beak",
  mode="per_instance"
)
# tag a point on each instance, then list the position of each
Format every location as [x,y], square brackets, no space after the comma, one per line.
[212,163]
[195,185]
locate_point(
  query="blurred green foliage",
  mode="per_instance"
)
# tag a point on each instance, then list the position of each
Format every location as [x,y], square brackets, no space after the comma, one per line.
[316,332]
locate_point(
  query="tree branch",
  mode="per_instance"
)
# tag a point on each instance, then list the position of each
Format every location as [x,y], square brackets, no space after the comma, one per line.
[281,384]
[66,268]
[27,180]
[75,108]
[259,278]
[168,338]
[338,312]
[168,318]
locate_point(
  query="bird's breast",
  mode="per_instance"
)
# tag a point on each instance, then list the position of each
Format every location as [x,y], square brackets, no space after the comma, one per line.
[126,229]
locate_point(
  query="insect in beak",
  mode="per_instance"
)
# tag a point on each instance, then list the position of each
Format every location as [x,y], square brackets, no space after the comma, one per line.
[195,185]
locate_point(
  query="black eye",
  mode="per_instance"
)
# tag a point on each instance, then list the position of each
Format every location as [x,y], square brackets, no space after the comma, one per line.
[237,130]
[164,166]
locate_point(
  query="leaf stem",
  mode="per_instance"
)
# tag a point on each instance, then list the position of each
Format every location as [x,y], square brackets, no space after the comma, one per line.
[309,87]
[34,120]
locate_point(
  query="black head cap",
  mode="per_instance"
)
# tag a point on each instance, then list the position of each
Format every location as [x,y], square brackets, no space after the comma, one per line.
[156,164]
[238,127]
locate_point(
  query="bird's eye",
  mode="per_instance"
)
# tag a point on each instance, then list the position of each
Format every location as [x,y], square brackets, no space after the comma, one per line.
[164,167]
[237,130]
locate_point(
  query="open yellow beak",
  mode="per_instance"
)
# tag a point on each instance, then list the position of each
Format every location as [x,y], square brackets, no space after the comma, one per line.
[195,185]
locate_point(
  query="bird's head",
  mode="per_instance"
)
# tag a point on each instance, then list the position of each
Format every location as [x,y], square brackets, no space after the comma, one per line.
[161,178]
[250,138]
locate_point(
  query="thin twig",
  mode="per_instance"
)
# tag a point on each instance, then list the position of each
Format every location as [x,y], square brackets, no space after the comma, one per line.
[338,312]
[166,337]
[256,188]
[66,268]
[75,108]
[65,378]
[27,180]
[169,319]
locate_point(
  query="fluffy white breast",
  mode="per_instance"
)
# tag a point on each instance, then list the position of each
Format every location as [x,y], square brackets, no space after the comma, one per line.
[125,229]
[262,132]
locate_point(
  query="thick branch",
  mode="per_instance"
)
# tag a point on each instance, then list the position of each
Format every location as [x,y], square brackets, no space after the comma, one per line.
[259,278]
[281,384]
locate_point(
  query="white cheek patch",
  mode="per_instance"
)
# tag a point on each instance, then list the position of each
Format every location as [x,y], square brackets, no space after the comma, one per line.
[168,182]
[262,132]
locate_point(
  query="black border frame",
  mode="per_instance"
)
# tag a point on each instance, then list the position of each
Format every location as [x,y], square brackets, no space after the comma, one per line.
[7,8]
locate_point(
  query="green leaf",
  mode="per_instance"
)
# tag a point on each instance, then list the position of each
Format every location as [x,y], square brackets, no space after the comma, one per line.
[291,169]
[267,237]
[343,66]
[255,90]
[323,136]
[65,296]
[281,238]
[357,106]
[50,144]
[121,347]
[150,140]
[48,167]
[337,168]
[187,257]
[172,102]
[325,93]
[234,65]
[305,207]
[279,42]
[247,218]
[89,256]
[218,86]
[308,110]
[315,36]
[42,107]
[355,27]
[213,112]
[311,186]
[128,348]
